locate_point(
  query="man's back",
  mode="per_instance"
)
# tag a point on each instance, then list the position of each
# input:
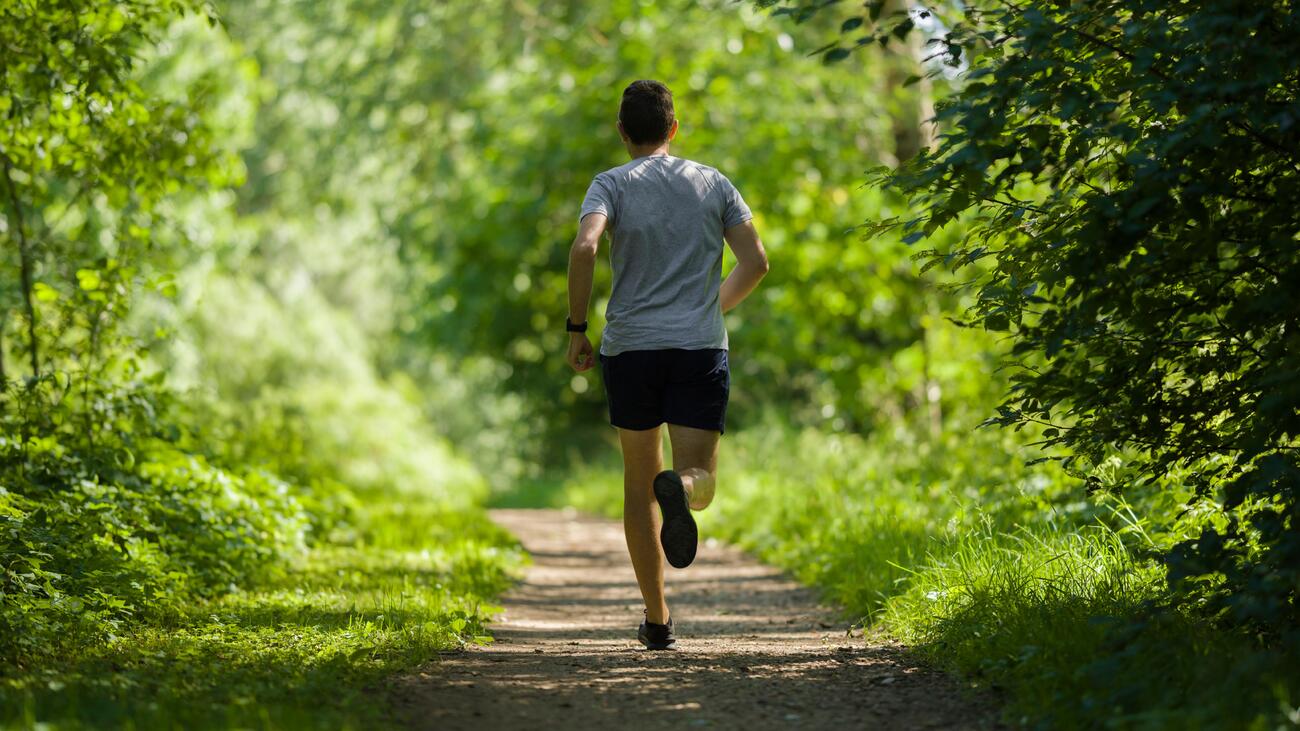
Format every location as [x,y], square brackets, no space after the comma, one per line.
[666,218]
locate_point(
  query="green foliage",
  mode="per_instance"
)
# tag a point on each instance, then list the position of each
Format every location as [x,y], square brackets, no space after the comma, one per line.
[88,155]
[223,409]
[1125,175]
[1070,622]
[134,505]
[459,139]
[303,649]
[112,523]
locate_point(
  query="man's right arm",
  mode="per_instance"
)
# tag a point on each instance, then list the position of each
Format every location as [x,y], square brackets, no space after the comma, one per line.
[751,264]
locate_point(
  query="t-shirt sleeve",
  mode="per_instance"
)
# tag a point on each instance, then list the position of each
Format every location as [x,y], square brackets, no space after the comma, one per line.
[734,210]
[599,199]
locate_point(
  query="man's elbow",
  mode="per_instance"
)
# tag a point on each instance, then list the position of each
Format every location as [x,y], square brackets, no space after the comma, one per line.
[583,249]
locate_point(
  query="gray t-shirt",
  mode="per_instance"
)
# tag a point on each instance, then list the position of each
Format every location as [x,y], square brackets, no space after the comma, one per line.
[666,217]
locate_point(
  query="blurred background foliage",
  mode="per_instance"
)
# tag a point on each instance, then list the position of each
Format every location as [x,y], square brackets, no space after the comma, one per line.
[454,143]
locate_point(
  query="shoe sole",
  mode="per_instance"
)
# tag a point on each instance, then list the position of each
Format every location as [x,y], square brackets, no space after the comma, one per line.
[679,536]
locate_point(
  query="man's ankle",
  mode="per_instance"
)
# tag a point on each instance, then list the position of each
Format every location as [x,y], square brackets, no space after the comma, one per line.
[657,618]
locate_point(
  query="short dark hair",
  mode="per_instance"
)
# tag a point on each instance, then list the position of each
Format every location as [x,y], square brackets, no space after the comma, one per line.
[646,111]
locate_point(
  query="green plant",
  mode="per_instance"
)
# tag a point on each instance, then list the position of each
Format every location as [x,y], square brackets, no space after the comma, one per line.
[1122,180]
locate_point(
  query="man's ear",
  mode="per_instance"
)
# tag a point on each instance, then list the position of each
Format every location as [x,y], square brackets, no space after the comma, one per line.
[672,131]
[621,133]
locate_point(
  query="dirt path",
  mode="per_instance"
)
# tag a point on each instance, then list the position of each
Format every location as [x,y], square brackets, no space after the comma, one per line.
[755,651]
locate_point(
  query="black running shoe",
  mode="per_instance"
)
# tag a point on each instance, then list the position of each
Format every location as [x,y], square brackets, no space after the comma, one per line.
[657,636]
[679,536]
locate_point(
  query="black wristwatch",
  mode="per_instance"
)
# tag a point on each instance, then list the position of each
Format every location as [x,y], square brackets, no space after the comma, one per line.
[581,328]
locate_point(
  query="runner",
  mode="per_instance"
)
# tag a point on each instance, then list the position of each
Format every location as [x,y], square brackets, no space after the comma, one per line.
[663,352]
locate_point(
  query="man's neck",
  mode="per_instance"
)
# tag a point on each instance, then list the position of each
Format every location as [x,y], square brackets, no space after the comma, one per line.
[647,150]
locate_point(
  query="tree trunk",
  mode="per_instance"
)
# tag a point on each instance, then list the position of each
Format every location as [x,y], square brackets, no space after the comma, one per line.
[4,378]
[911,130]
[25,265]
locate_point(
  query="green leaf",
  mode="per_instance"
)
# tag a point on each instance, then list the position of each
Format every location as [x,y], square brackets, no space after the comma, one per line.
[836,55]
[44,292]
[88,279]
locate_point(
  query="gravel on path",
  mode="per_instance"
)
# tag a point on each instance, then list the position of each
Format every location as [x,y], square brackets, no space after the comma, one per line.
[755,651]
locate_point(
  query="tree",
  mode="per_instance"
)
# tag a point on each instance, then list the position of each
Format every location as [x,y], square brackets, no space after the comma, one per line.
[85,156]
[1129,173]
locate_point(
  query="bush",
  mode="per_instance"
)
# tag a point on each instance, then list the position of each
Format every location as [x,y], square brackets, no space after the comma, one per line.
[103,524]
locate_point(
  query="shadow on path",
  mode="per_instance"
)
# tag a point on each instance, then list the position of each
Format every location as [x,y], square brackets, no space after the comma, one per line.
[756,651]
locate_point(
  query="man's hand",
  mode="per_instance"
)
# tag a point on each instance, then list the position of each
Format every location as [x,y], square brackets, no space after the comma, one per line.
[580,355]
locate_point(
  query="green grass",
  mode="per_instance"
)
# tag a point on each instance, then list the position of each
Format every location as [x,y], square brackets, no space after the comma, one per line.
[1073,625]
[309,649]
[1000,572]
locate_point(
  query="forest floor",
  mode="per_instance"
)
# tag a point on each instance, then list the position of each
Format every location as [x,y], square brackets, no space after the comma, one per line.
[755,651]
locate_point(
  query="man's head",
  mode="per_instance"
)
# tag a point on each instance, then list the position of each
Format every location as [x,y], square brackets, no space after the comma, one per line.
[646,115]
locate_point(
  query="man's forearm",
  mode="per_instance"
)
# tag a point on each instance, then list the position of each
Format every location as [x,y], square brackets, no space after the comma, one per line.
[582,268]
[739,283]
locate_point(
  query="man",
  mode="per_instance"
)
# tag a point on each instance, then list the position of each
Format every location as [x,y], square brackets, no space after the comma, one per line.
[663,352]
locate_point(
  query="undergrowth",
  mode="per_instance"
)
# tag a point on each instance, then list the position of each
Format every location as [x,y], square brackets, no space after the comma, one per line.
[307,649]
[155,577]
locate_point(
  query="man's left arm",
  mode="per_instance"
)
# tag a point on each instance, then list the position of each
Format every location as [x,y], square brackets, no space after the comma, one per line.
[582,269]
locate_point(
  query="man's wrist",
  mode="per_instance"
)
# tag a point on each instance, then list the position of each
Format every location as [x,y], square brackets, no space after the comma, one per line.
[575,327]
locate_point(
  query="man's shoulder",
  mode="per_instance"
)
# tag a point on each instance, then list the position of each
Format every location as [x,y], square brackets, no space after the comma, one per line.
[696,164]
[620,172]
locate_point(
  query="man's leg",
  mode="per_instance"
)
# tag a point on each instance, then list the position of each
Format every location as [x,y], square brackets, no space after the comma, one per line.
[695,460]
[643,458]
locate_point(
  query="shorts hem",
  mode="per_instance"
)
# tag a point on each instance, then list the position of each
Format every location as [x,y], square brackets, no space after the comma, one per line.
[636,427]
[719,428]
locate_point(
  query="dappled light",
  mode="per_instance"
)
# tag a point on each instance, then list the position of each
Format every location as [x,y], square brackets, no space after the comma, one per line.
[977,319]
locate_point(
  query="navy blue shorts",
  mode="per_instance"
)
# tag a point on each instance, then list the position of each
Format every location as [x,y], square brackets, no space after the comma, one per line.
[647,388]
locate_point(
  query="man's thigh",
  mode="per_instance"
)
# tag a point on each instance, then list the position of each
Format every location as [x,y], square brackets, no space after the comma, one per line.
[693,447]
[642,455]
